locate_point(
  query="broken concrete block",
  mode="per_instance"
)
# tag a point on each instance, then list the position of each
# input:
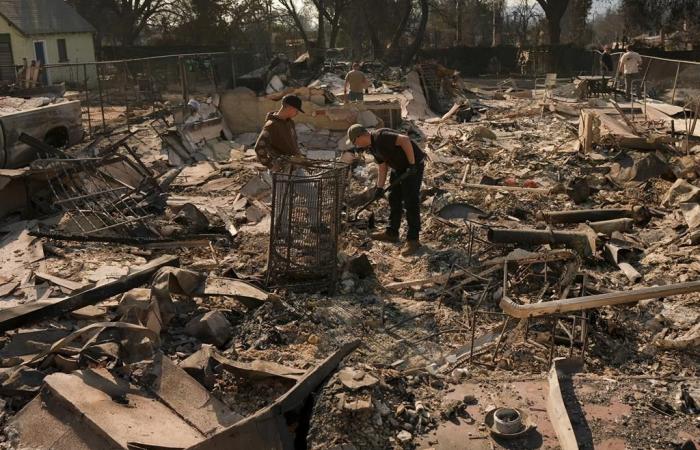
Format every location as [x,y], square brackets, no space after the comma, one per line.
[255,214]
[354,405]
[691,214]
[211,327]
[275,85]
[191,217]
[256,188]
[681,192]
[483,133]
[240,204]
[629,168]
[246,293]
[356,378]
[221,150]
[367,119]
[404,437]
[686,167]
[21,381]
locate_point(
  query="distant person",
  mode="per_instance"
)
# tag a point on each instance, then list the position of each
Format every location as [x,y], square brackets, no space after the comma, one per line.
[630,64]
[606,62]
[523,61]
[357,81]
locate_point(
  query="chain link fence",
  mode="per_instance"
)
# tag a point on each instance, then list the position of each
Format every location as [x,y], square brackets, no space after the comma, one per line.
[669,80]
[117,93]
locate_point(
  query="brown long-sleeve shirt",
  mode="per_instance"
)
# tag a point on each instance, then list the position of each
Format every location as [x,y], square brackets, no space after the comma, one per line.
[277,138]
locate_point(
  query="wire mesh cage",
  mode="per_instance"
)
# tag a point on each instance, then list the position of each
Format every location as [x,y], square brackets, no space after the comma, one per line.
[306,207]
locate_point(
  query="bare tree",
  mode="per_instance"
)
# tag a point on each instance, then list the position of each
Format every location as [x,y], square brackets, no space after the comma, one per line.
[330,11]
[125,19]
[523,13]
[394,47]
[554,10]
[661,16]
[413,48]
[295,15]
[575,25]
[496,22]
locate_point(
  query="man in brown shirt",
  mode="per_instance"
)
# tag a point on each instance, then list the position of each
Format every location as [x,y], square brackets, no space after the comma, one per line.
[278,150]
[357,81]
[277,142]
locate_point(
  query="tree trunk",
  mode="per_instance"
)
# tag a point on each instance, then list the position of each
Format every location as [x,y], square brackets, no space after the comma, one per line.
[291,10]
[554,11]
[554,27]
[321,37]
[395,44]
[377,47]
[339,7]
[420,33]
[496,24]
[458,11]
[335,29]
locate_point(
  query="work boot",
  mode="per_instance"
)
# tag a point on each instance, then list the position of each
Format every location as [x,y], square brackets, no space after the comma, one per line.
[410,248]
[385,236]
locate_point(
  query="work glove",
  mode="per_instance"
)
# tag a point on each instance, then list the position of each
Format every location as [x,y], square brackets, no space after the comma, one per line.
[412,170]
[378,193]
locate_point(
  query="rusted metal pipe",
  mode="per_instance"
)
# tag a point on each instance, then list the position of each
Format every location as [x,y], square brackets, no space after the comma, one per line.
[595,301]
[639,214]
[608,226]
[585,215]
[581,242]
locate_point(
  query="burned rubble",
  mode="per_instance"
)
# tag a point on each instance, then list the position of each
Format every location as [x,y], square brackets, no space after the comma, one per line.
[157,292]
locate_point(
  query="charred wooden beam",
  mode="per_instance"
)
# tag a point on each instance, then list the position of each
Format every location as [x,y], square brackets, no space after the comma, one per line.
[12,318]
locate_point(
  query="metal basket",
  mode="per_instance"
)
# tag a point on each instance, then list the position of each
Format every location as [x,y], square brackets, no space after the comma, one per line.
[306,206]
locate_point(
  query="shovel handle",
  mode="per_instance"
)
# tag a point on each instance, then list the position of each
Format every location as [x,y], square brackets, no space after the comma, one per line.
[393,184]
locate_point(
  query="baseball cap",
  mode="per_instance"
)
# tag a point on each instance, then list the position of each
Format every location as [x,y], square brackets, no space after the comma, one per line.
[292,100]
[354,132]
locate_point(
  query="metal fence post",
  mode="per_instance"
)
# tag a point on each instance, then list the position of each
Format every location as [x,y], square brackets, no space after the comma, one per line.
[87,99]
[126,91]
[212,73]
[644,79]
[183,80]
[233,69]
[151,85]
[675,82]
[102,102]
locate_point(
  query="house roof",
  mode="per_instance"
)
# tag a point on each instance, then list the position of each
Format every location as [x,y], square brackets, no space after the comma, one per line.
[44,17]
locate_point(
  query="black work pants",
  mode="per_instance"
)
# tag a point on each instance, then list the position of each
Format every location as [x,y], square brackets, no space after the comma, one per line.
[406,195]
